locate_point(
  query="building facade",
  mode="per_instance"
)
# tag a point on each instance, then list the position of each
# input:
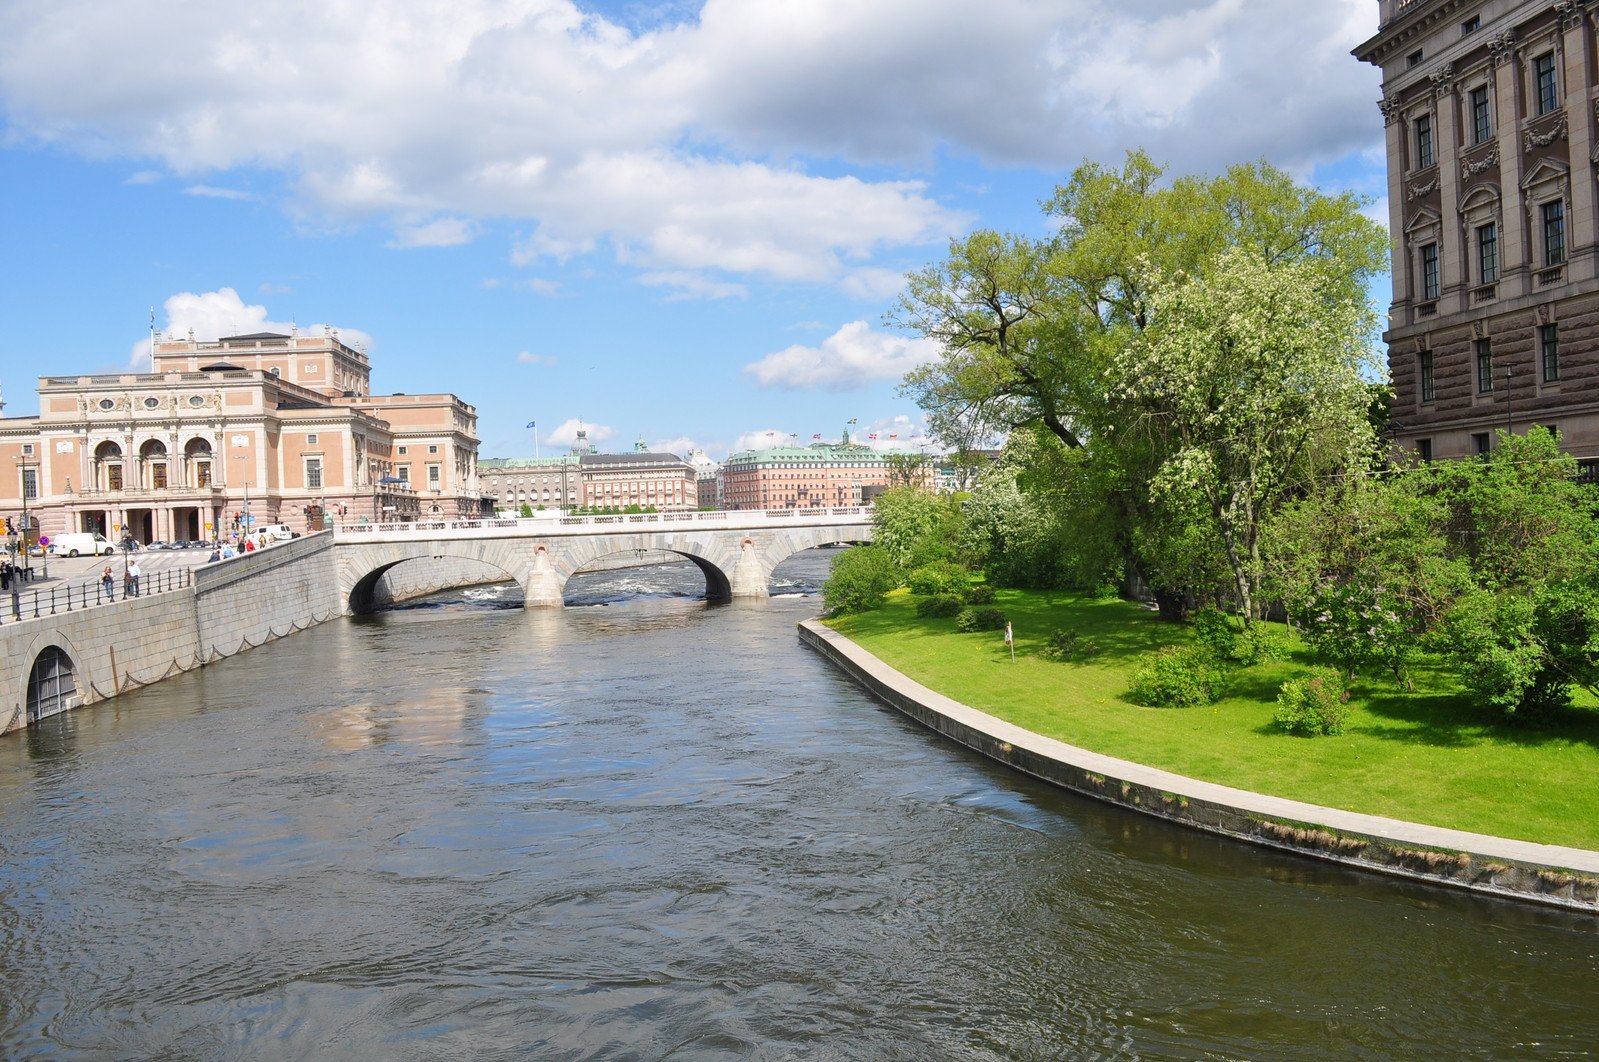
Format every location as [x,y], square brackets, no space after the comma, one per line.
[815,476]
[229,434]
[1492,138]
[585,479]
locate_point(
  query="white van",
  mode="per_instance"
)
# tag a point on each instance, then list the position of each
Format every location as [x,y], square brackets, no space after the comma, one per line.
[276,532]
[76,543]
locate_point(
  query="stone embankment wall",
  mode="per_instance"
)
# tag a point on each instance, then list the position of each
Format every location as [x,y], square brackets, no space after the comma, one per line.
[1547,874]
[232,606]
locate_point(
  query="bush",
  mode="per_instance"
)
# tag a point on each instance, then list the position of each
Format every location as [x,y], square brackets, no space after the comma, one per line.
[1316,705]
[981,594]
[939,606]
[1178,676]
[1064,644]
[1215,632]
[980,619]
[860,578]
[940,577]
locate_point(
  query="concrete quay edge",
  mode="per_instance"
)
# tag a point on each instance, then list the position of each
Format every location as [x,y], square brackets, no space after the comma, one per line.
[1551,875]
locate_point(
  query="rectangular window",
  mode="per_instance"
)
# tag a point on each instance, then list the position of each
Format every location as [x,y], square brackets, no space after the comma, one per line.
[30,483]
[1471,25]
[1488,253]
[313,473]
[402,451]
[1481,127]
[405,473]
[433,449]
[433,477]
[1414,58]
[1425,359]
[1424,141]
[1549,352]
[1479,442]
[1485,365]
[310,440]
[158,477]
[27,449]
[1543,69]
[1429,272]
[113,477]
[1554,232]
[202,473]
[1424,450]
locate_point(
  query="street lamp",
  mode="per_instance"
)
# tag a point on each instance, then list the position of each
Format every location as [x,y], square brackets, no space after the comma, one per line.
[1509,428]
[27,558]
[245,458]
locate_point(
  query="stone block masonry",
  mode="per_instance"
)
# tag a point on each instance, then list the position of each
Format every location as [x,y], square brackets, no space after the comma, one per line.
[232,606]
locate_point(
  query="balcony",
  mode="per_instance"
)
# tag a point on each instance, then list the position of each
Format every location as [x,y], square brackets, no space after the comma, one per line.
[1551,276]
[1426,309]
[210,492]
[1484,293]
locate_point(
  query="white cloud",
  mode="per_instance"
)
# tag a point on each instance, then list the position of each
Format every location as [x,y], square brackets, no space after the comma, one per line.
[540,286]
[678,140]
[897,432]
[142,177]
[565,434]
[762,439]
[213,314]
[682,446]
[529,358]
[693,286]
[441,232]
[207,191]
[852,357]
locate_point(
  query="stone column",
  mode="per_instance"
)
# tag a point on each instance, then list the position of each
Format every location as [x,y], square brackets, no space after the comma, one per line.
[1515,277]
[1583,228]
[1453,243]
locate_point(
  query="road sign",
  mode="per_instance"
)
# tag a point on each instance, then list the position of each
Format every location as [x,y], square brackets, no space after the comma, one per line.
[44,540]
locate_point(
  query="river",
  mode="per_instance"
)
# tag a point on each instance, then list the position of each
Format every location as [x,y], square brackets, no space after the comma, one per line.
[645,827]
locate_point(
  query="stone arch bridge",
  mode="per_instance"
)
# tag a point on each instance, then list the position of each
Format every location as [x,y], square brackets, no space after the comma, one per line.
[736,551]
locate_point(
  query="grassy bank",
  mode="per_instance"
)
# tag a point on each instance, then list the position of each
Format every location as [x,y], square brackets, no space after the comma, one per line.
[1427,756]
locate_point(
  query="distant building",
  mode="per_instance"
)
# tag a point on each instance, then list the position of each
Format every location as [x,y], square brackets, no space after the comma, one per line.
[811,477]
[251,429]
[587,479]
[1489,108]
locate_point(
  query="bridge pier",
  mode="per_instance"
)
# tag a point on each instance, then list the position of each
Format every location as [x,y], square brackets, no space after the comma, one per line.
[544,588]
[748,578]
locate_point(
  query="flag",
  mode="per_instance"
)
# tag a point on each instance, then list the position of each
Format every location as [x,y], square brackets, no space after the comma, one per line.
[1009,638]
[818,435]
[850,421]
[873,435]
[532,424]
[893,436]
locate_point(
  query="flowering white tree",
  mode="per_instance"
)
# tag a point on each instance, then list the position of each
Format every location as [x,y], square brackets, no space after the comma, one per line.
[1250,382]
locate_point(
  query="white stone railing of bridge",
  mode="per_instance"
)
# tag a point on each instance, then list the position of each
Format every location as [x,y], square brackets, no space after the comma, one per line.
[620,523]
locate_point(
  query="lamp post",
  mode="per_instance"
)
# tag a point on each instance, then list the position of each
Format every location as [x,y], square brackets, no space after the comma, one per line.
[245,458]
[27,558]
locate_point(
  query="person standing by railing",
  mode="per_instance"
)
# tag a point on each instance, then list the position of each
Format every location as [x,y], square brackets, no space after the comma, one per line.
[107,582]
[133,578]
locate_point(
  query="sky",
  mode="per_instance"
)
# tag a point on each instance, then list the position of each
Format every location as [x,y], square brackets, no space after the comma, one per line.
[683,222]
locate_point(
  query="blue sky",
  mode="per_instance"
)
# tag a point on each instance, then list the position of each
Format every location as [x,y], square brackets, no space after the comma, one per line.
[679,221]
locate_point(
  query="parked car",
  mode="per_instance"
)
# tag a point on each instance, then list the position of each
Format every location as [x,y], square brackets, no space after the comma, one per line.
[82,543]
[276,532]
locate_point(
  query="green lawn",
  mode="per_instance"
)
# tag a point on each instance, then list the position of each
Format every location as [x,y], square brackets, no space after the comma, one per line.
[1427,756]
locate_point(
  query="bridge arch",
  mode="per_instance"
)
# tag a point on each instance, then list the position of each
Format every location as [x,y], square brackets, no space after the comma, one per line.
[718,585]
[363,567]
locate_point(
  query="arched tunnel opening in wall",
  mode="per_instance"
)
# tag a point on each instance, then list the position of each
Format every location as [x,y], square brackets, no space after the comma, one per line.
[52,684]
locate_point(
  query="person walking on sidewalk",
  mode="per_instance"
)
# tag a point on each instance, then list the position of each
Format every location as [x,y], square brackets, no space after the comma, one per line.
[133,578]
[106,581]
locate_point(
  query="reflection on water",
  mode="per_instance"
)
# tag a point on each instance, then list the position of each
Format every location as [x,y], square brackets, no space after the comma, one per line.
[648,826]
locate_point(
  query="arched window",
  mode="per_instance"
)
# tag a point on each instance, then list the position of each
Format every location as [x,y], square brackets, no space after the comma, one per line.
[108,466]
[52,684]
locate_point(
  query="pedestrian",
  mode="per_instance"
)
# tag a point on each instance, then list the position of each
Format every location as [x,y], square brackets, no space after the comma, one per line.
[249,545]
[107,581]
[216,555]
[133,577]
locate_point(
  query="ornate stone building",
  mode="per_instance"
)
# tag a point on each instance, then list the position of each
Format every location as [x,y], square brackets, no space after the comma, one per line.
[276,428]
[810,477]
[1489,107]
[585,478]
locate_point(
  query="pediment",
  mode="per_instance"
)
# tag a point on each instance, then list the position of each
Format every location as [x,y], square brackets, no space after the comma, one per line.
[1481,197]
[1424,218]
[1545,171]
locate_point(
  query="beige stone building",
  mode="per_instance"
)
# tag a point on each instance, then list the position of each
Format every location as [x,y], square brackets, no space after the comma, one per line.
[586,479]
[1489,107]
[253,429]
[810,477]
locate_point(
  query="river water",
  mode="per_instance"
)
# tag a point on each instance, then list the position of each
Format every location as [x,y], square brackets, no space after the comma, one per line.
[645,827]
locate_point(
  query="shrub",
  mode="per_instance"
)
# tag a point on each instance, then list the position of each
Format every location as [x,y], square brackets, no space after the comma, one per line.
[981,594]
[1065,644]
[860,578]
[1178,676]
[1215,632]
[980,619]
[1315,705]
[940,577]
[939,606]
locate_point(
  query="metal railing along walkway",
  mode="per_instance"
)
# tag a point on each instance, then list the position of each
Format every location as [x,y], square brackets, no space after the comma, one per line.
[19,604]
